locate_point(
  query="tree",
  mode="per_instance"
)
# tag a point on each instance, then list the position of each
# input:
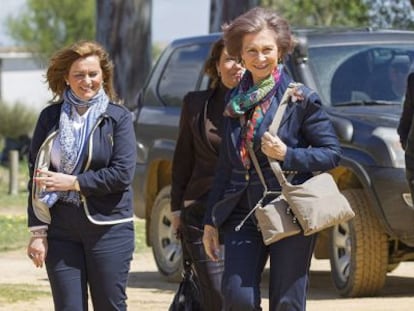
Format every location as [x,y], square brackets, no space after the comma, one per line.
[308,13]
[124,28]
[45,26]
[224,11]
[391,13]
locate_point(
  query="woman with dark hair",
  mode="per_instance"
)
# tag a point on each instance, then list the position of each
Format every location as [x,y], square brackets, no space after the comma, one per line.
[305,142]
[193,167]
[81,162]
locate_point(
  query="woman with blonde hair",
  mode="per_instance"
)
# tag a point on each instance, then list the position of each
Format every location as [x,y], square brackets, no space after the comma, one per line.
[81,162]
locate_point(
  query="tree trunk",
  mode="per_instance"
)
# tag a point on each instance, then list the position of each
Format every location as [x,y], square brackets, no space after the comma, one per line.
[224,11]
[124,29]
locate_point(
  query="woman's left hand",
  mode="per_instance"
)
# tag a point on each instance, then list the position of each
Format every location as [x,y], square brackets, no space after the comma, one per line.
[52,181]
[37,250]
[211,242]
[273,146]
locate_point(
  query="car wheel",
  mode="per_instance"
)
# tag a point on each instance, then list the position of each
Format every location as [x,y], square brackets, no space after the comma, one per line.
[166,247]
[359,250]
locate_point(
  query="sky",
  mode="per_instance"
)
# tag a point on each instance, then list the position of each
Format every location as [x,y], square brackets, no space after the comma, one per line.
[171,18]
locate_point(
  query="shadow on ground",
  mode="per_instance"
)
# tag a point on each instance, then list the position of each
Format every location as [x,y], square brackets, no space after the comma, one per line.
[321,285]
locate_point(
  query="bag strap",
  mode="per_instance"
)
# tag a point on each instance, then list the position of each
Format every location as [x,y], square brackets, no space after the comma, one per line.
[273,163]
[274,127]
[265,192]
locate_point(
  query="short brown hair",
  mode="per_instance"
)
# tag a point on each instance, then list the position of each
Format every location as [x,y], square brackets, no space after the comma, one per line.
[254,21]
[62,60]
[210,66]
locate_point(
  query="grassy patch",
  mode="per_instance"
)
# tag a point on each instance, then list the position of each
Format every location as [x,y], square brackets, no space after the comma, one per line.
[13,233]
[140,241]
[11,293]
[13,204]
[13,223]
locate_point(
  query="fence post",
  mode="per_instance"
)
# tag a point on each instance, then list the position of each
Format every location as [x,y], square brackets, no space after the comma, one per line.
[13,172]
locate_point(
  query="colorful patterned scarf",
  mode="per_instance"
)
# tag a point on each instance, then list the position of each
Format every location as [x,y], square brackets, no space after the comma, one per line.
[250,103]
[71,145]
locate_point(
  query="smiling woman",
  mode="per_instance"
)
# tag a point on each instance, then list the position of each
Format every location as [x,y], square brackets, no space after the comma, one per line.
[81,162]
[305,142]
[85,77]
[260,54]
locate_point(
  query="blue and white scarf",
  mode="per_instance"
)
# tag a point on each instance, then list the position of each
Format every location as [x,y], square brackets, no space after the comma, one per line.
[72,145]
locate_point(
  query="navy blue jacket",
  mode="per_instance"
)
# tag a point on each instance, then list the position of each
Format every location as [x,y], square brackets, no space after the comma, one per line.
[105,170]
[312,146]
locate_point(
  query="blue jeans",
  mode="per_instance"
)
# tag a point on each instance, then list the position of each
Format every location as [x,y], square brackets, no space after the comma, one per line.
[245,258]
[80,254]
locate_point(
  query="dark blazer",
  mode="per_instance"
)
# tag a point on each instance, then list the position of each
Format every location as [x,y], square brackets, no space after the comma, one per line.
[106,167]
[195,157]
[305,124]
[406,125]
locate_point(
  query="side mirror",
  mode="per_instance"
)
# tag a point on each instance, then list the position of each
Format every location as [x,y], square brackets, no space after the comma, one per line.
[301,50]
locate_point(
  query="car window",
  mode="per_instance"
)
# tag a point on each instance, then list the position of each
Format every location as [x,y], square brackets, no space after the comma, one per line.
[361,72]
[182,73]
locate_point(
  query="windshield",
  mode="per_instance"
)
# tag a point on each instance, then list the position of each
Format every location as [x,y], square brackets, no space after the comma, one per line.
[361,73]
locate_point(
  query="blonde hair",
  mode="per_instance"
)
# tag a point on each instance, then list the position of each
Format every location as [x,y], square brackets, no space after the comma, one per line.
[62,60]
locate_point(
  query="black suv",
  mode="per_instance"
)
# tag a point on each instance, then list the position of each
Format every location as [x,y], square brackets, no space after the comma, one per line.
[351,70]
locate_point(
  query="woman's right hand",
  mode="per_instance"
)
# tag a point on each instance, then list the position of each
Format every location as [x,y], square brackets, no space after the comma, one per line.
[37,250]
[176,224]
[211,242]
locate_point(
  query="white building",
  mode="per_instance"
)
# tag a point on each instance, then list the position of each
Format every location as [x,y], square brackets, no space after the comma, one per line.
[22,79]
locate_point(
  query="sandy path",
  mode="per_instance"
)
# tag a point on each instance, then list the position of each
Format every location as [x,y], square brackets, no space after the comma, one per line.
[148,291]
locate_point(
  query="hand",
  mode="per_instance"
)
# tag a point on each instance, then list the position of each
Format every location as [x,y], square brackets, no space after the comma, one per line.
[273,146]
[37,250]
[53,181]
[176,224]
[211,242]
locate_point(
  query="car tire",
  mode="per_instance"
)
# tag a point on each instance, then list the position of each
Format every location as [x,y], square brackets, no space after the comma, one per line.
[166,247]
[359,250]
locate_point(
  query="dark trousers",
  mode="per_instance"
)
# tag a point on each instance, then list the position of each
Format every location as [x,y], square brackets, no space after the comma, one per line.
[80,254]
[209,273]
[409,174]
[245,258]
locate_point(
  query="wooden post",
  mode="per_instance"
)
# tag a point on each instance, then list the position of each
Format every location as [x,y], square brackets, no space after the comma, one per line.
[13,172]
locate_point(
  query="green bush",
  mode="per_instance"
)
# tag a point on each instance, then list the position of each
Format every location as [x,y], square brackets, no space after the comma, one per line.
[16,120]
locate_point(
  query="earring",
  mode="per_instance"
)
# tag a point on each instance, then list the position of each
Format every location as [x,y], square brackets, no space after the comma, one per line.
[67,83]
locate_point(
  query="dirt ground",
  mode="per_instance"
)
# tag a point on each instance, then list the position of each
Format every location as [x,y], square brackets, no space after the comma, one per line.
[148,291]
